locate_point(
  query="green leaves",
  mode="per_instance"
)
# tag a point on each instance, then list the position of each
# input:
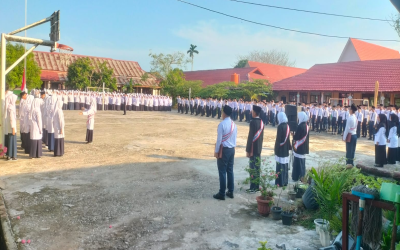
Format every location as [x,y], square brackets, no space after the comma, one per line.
[163,64]
[85,73]
[14,77]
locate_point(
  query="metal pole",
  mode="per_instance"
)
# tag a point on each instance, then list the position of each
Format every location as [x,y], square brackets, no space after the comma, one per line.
[22,39]
[32,25]
[20,59]
[103,96]
[26,14]
[2,86]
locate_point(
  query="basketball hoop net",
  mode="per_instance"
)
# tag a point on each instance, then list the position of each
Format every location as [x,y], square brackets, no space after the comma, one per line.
[65,53]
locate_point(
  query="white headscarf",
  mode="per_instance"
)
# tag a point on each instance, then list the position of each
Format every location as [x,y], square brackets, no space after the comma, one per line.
[10,103]
[37,102]
[302,116]
[28,103]
[93,105]
[282,118]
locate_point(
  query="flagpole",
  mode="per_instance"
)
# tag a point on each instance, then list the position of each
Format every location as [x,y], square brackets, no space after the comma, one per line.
[24,76]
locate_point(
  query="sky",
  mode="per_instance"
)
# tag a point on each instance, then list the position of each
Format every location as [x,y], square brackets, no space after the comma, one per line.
[131,29]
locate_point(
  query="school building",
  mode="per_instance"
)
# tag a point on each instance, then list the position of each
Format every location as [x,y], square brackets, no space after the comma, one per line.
[360,66]
[54,72]
[252,71]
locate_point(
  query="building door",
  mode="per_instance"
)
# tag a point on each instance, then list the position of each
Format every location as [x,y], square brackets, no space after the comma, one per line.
[283,99]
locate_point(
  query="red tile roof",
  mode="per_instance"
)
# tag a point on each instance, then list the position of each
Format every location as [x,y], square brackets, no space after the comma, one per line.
[369,51]
[357,76]
[211,77]
[273,72]
[123,70]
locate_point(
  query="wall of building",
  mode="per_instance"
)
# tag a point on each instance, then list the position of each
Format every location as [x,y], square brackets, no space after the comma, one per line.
[349,54]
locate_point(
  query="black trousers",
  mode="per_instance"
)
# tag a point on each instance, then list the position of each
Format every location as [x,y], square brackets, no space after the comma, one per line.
[191,109]
[187,109]
[364,128]
[219,113]
[334,125]
[358,129]
[319,123]
[340,125]
[371,130]
[313,122]
[255,163]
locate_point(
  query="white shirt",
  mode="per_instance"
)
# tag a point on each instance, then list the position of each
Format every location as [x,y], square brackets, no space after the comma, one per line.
[351,126]
[380,136]
[225,128]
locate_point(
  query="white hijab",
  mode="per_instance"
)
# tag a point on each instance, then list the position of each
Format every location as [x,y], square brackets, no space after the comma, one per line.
[282,118]
[302,116]
[10,103]
[37,102]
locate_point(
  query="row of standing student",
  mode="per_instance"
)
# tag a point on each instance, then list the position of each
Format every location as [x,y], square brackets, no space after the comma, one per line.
[41,121]
[241,110]
[325,118]
[76,100]
[226,144]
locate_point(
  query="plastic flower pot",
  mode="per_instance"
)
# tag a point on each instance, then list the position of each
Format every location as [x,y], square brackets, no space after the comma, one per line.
[321,224]
[292,195]
[263,205]
[300,192]
[324,237]
[287,218]
[276,213]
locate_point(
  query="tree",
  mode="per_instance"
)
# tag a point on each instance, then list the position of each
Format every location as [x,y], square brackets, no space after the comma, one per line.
[102,73]
[14,77]
[242,63]
[396,23]
[192,50]
[84,73]
[257,88]
[161,64]
[174,78]
[273,57]
[80,73]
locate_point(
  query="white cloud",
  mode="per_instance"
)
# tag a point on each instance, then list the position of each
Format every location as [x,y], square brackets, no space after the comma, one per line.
[219,45]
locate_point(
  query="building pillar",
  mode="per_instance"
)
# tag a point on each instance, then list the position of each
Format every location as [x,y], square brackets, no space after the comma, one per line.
[298,98]
[322,97]
[141,90]
[308,97]
[391,98]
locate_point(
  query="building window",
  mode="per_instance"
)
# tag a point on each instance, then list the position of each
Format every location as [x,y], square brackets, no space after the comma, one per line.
[292,97]
[303,97]
[314,98]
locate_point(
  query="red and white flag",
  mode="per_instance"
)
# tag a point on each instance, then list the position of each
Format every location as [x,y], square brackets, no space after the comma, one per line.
[23,85]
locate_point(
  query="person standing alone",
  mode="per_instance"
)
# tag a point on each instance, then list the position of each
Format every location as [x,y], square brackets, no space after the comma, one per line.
[225,153]
[254,147]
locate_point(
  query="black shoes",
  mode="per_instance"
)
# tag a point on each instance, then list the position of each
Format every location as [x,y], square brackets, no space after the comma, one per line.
[378,166]
[219,197]
[229,194]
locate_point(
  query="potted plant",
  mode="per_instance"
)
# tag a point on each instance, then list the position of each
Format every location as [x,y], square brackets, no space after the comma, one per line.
[287,214]
[263,177]
[300,189]
[291,194]
[277,210]
[3,150]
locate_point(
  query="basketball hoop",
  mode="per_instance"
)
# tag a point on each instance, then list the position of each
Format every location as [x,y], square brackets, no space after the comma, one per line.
[65,53]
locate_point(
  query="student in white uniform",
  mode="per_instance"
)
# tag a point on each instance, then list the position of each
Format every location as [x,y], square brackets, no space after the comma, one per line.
[10,125]
[226,141]
[351,128]
[90,121]
[26,124]
[59,123]
[36,129]
[392,139]
[51,106]
[380,141]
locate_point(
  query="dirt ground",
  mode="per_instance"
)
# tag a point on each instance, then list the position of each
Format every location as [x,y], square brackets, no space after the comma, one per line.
[147,183]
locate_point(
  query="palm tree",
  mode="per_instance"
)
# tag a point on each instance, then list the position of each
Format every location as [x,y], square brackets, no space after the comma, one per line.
[191,52]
